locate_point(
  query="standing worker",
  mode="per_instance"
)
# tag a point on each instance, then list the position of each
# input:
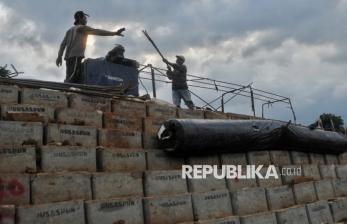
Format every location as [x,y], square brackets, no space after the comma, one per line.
[179,82]
[75,42]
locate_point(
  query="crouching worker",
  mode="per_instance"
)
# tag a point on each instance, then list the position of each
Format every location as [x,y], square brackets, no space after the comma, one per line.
[75,42]
[116,56]
[179,82]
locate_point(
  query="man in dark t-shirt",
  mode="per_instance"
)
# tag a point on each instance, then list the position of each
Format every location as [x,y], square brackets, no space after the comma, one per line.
[179,82]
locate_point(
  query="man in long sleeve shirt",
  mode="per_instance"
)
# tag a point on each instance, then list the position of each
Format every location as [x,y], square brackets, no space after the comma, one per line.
[74,44]
[179,82]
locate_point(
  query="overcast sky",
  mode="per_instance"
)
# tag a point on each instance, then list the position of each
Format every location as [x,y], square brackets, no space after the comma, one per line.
[296,48]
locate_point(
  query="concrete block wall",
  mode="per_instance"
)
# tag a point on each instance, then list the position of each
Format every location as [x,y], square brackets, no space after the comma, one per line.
[115,210]
[60,212]
[53,188]
[89,164]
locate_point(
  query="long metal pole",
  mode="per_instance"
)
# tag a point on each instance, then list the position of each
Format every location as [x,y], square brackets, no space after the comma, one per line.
[252,100]
[153,81]
[232,91]
[202,100]
[292,109]
[152,42]
[211,84]
[222,103]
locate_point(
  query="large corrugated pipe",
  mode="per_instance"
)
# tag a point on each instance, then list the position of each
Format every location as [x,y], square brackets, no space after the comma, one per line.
[199,136]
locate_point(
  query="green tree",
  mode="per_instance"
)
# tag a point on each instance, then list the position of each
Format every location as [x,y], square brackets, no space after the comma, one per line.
[337,121]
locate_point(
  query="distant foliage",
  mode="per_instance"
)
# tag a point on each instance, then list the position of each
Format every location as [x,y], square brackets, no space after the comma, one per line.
[4,72]
[7,73]
[337,121]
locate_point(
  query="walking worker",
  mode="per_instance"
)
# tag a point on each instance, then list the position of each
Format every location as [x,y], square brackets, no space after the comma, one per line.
[75,42]
[179,82]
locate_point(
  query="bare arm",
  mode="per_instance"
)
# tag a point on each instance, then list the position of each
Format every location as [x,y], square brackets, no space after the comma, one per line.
[99,32]
[169,72]
[61,52]
[180,68]
[167,62]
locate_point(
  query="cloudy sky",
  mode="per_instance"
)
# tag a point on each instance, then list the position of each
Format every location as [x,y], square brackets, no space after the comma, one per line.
[296,48]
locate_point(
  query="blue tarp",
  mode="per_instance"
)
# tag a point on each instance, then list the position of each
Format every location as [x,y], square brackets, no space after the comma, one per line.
[103,73]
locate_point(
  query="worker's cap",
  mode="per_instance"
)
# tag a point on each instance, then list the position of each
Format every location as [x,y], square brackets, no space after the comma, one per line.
[80,14]
[180,57]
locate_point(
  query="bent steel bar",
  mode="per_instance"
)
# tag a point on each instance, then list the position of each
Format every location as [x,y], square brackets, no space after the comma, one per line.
[256,96]
[104,91]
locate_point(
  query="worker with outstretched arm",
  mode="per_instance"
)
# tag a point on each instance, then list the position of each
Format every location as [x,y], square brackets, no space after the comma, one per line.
[74,44]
